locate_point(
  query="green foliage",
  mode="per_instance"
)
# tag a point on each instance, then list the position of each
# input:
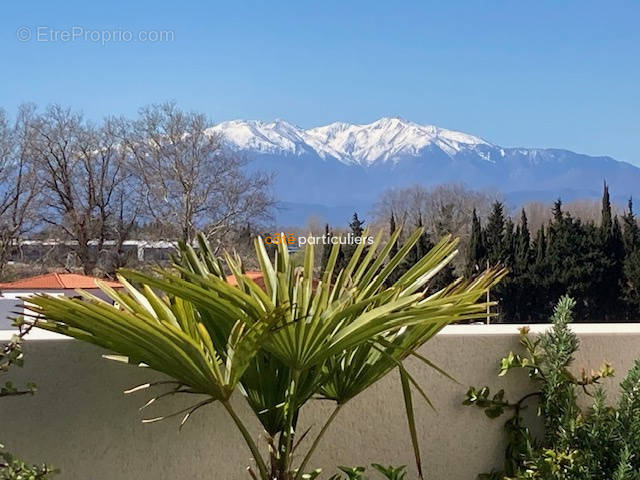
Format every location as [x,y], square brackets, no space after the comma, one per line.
[597,263]
[476,253]
[388,472]
[12,468]
[494,235]
[298,339]
[630,229]
[598,443]
[350,473]
[348,250]
[631,262]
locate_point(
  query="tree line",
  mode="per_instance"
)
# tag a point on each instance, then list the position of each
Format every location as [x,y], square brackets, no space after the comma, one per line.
[96,185]
[595,259]
[596,263]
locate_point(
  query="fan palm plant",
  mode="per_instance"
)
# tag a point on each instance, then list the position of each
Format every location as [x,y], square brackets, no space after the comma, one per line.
[283,344]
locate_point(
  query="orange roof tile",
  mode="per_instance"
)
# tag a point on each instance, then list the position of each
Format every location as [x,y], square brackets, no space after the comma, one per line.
[56,281]
[256,276]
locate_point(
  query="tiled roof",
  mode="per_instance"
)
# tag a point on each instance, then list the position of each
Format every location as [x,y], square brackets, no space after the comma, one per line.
[255,276]
[56,281]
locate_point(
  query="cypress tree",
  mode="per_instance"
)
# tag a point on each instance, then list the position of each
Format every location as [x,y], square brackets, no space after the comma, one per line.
[495,235]
[606,221]
[509,243]
[539,280]
[424,243]
[476,252]
[557,211]
[607,288]
[356,225]
[541,246]
[514,293]
[631,264]
[630,230]
[346,251]
[582,261]
[631,292]
[574,261]
[616,250]
[522,248]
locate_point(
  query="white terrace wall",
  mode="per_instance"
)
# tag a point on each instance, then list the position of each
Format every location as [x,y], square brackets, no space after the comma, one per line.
[80,421]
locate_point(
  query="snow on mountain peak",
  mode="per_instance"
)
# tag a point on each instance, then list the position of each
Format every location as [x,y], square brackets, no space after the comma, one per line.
[386,139]
[264,137]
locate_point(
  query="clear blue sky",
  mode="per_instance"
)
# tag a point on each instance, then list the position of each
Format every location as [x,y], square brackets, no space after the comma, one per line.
[518,73]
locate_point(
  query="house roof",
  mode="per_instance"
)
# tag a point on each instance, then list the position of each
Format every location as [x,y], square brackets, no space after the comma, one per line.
[56,281]
[256,276]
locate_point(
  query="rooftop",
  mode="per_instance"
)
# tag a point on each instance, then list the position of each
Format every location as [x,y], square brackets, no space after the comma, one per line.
[256,276]
[56,281]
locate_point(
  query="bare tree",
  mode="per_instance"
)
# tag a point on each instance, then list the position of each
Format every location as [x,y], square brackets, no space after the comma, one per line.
[449,209]
[444,209]
[586,209]
[90,194]
[18,182]
[190,182]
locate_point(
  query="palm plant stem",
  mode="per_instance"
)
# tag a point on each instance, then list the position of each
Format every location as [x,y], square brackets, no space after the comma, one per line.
[290,431]
[262,467]
[316,441]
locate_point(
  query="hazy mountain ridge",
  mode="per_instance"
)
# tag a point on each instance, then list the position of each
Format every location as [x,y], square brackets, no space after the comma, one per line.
[343,166]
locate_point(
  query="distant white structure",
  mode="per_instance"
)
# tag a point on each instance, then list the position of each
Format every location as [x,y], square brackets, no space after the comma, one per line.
[141,246]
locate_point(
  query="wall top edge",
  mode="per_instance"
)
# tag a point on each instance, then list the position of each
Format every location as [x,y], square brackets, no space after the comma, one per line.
[461,330]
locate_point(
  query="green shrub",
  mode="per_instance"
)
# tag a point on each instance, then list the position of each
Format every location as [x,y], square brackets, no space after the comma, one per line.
[598,443]
[388,472]
[12,468]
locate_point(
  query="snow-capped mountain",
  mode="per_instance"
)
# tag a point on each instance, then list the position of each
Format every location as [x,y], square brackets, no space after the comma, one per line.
[387,139]
[334,169]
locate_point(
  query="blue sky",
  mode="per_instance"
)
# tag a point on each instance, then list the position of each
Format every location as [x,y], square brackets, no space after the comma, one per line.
[518,73]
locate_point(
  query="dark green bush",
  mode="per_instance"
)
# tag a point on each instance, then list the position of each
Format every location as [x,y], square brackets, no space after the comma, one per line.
[598,443]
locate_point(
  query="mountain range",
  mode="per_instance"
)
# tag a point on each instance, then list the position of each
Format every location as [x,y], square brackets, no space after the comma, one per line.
[335,169]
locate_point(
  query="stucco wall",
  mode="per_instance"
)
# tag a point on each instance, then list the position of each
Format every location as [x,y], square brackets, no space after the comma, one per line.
[80,421]
[7,305]
[11,303]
